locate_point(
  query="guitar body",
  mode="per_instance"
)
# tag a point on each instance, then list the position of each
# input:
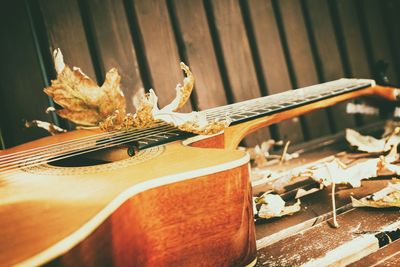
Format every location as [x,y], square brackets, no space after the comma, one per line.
[172,205]
[180,204]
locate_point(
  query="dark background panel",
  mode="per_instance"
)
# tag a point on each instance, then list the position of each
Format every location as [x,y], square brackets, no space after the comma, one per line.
[301,62]
[327,59]
[271,59]
[113,43]
[196,47]
[233,43]
[65,30]
[21,82]
[160,48]
[353,43]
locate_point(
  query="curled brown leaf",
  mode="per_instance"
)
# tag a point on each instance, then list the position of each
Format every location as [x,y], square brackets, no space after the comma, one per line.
[82,100]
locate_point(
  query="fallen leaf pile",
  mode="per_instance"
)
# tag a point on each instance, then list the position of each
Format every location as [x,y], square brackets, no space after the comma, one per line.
[85,103]
[331,171]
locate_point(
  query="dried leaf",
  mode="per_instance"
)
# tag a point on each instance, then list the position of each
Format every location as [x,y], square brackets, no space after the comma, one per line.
[83,101]
[370,144]
[387,197]
[336,172]
[352,108]
[274,206]
[148,114]
[182,92]
[50,127]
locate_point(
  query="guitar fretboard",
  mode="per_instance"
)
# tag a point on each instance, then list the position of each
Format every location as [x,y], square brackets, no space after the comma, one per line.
[264,106]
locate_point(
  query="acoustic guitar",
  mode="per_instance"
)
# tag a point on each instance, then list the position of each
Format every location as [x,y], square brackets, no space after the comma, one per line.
[83,199]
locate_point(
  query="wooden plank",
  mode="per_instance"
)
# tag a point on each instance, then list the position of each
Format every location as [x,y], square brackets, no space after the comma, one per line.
[237,56]
[272,60]
[316,245]
[354,51]
[65,31]
[114,44]
[301,59]
[386,256]
[160,48]
[354,46]
[378,36]
[390,11]
[200,53]
[21,95]
[328,56]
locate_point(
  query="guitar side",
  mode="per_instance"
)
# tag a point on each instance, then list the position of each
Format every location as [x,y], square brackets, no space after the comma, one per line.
[185,206]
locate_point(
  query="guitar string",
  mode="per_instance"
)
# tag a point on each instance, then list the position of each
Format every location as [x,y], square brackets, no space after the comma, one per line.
[217,111]
[116,141]
[103,144]
[82,140]
[76,142]
[51,158]
[220,110]
[153,132]
[72,145]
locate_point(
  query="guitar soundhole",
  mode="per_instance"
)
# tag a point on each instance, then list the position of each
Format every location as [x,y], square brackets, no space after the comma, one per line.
[95,158]
[77,161]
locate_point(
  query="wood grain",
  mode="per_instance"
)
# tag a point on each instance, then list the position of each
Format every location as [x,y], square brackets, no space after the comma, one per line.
[301,59]
[272,60]
[298,249]
[198,48]
[328,60]
[354,47]
[160,49]
[114,44]
[378,37]
[65,31]
[164,227]
[389,11]
[386,256]
[237,55]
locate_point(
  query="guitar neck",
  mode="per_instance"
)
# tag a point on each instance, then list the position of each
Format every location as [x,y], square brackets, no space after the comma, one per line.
[324,94]
[272,104]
